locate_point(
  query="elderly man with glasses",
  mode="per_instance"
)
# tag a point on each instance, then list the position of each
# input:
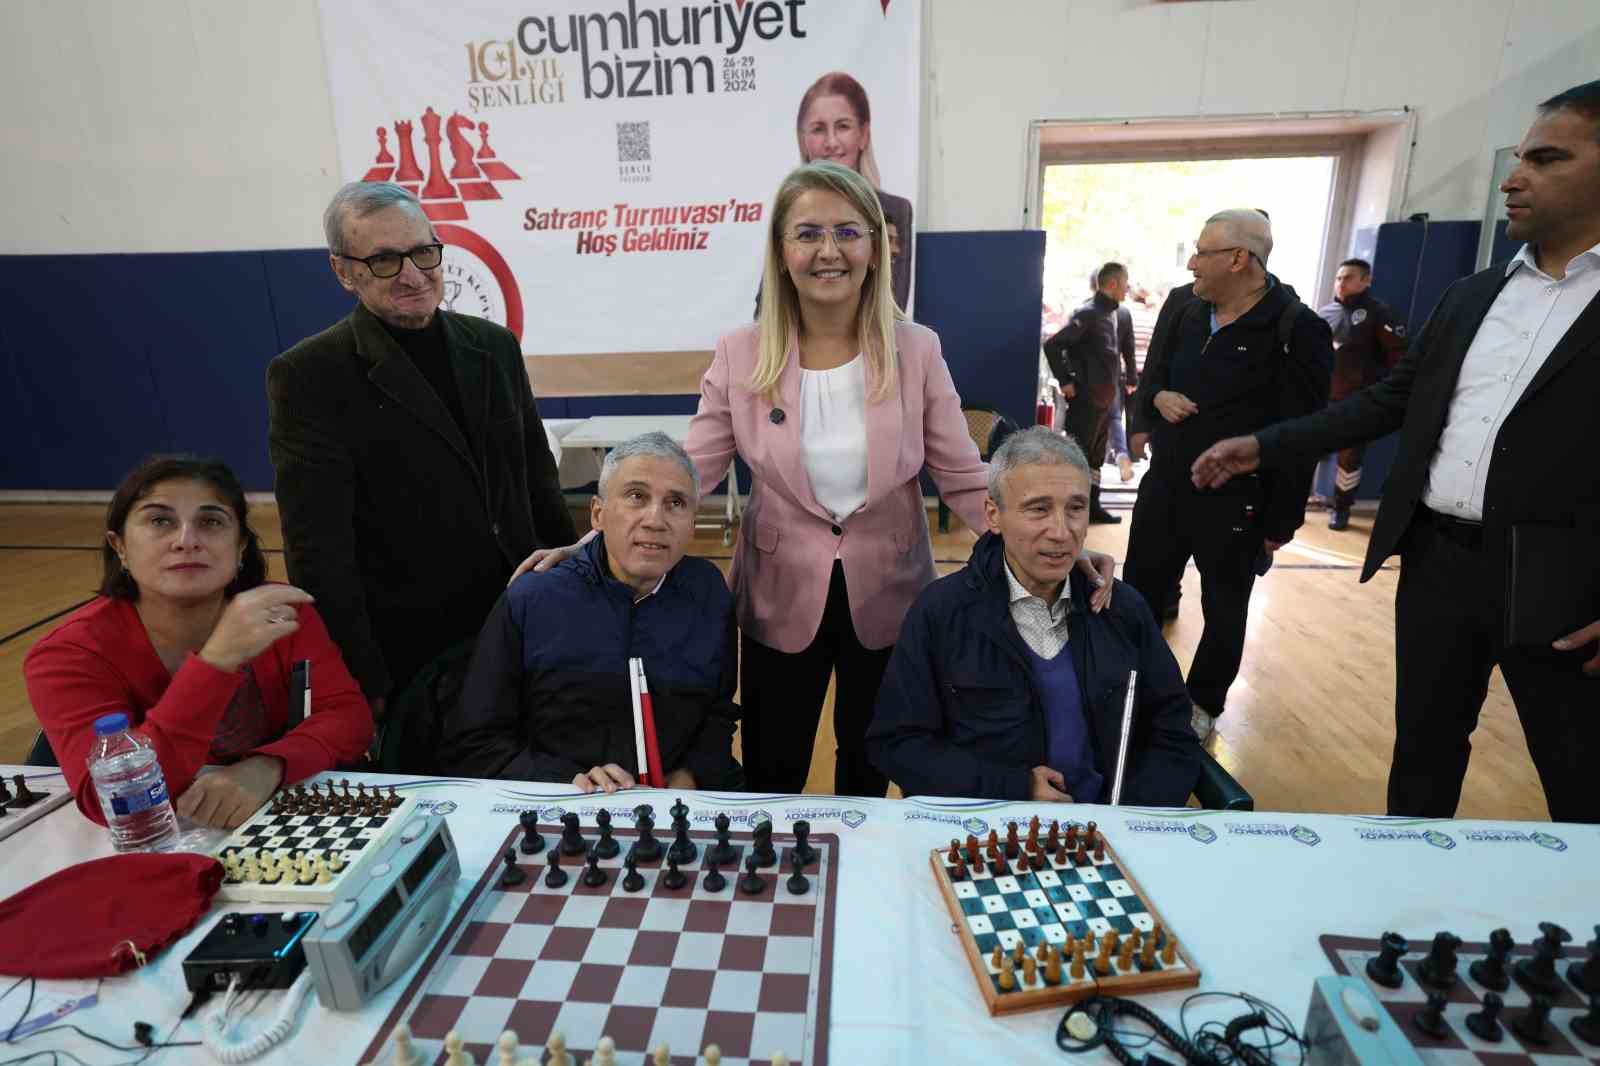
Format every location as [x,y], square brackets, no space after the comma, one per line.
[1244,353]
[413,471]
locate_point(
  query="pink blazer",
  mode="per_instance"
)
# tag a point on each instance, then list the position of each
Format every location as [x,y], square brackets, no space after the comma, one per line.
[787,542]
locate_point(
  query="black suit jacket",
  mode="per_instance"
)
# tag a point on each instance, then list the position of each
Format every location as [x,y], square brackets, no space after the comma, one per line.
[403,527]
[1541,470]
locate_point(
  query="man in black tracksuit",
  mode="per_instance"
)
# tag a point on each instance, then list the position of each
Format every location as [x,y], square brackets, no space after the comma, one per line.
[1367,342]
[1245,352]
[1085,356]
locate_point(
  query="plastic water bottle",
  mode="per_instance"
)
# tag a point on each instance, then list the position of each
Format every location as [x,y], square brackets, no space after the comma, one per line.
[132,789]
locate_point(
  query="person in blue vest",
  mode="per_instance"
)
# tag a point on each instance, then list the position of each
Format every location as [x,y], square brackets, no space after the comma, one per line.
[1003,685]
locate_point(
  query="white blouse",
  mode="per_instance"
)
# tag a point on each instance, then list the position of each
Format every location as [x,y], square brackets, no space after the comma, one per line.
[833,435]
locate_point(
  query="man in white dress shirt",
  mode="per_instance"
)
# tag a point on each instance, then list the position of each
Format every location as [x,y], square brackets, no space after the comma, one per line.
[1496,403]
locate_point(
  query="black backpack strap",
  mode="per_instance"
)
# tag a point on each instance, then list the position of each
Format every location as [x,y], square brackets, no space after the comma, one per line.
[1286,324]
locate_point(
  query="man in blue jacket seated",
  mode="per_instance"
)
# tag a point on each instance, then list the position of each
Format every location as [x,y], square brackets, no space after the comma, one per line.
[547,696]
[1003,685]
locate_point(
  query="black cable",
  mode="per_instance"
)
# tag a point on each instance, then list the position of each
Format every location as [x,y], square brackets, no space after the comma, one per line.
[1224,1043]
[55,1054]
[1215,1043]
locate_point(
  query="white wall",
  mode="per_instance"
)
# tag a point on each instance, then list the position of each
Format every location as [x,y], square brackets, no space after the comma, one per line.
[165,125]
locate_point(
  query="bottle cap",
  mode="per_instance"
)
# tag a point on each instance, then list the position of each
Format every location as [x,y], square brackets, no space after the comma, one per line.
[108,724]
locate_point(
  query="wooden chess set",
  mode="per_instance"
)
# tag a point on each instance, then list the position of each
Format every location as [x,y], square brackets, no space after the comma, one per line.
[21,804]
[1054,918]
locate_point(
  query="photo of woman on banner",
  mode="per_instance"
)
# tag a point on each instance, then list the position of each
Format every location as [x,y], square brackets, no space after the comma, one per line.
[837,403]
[835,123]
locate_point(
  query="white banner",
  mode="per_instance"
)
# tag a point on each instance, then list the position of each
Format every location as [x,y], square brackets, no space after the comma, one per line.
[602,170]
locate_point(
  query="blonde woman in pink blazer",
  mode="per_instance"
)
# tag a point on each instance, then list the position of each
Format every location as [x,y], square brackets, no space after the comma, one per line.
[836,403]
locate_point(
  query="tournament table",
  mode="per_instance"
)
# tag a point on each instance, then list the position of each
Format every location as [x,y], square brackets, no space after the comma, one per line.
[1248,894]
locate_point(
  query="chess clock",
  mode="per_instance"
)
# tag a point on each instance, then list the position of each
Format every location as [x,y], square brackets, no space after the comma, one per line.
[384,920]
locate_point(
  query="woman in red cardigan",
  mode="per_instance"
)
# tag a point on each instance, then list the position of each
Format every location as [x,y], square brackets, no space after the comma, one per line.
[189,640]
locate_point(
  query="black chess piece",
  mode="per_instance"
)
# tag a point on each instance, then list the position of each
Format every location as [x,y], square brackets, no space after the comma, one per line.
[798,884]
[1585,976]
[680,813]
[5,793]
[532,842]
[751,883]
[3,806]
[1490,971]
[606,847]
[763,852]
[633,881]
[24,797]
[1438,970]
[714,881]
[802,843]
[1430,1019]
[572,842]
[1485,1024]
[674,878]
[1384,968]
[722,852]
[594,877]
[556,877]
[1538,974]
[513,874]
[683,850]
[1587,1026]
[647,847]
[1533,1024]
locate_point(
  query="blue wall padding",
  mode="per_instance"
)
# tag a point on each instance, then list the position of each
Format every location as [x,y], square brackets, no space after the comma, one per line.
[108,358]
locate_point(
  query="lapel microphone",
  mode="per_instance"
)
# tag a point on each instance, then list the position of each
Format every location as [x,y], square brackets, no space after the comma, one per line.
[777,416]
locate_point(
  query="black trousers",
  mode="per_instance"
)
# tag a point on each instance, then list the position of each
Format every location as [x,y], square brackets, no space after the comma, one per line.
[1448,637]
[1173,523]
[781,698]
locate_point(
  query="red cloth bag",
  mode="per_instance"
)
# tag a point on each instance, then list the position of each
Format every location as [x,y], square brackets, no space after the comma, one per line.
[105,917]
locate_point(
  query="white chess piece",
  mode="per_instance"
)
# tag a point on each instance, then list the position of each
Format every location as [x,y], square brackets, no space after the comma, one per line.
[404,1053]
[779,1059]
[557,1047]
[455,1056]
[507,1044]
[605,1053]
[663,1057]
[713,1055]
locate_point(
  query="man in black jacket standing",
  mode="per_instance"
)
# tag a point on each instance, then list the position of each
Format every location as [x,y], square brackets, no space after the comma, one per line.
[1367,342]
[1245,353]
[1085,356]
[1495,403]
[1003,685]
[413,471]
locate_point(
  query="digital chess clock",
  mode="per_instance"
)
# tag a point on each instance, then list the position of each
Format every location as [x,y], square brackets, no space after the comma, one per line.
[387,917]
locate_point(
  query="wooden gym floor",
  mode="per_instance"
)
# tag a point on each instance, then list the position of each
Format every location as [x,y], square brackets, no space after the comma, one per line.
[1309,725]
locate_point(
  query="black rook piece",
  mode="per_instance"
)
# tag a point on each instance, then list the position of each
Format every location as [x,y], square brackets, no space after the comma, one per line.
[797,883]
[647,847]
[556,877]
[1485,1024]
[1439,968]
[1490,971]
[606,847]
[751,883]
[634,880]
[802,843]
[722,852]
[714,881]
[1587,1027]
[1533,1024]
[1430,1019]
[1384,968]
[532,842]
[512,875]
[1538,974]
[572,842]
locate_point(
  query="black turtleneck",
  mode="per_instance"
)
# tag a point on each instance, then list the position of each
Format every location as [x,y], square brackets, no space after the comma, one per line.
[427,350]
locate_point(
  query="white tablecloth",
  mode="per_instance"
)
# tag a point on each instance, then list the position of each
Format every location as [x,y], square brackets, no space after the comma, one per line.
[1248,894]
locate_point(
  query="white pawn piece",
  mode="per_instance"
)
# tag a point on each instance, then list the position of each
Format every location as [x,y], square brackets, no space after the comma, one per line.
[455,1055]
[713,1055]
[779,1059]
[507,1045]
[405,1053]
[251,871]
[336,861]
[662,1057]
[557,1047]
[324,875]
[605,1053]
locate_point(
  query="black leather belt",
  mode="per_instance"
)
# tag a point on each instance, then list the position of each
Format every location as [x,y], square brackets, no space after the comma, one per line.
[1467,534]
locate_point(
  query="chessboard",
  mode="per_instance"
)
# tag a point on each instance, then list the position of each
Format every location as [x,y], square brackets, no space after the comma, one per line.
[1053,919]
[1459,1046]
[21,804]
[307,842]
[588,958]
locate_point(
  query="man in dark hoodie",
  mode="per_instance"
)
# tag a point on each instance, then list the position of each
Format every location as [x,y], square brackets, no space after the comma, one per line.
[547,697]
[1245,353]
[1003,685]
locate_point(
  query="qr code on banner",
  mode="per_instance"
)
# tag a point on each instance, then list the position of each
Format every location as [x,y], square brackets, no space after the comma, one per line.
[633,142]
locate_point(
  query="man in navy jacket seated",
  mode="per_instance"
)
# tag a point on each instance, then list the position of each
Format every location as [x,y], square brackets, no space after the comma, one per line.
[547,696]
[1003,685]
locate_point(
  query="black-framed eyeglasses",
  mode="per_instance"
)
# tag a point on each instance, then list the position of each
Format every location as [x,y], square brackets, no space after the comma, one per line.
[1218,251]
[388,264]
[842,235]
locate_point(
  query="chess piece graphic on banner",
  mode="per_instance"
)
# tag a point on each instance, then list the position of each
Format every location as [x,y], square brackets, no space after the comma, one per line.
[437,187]
[461,152]
[409,172]
[490,163]
[383,147]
